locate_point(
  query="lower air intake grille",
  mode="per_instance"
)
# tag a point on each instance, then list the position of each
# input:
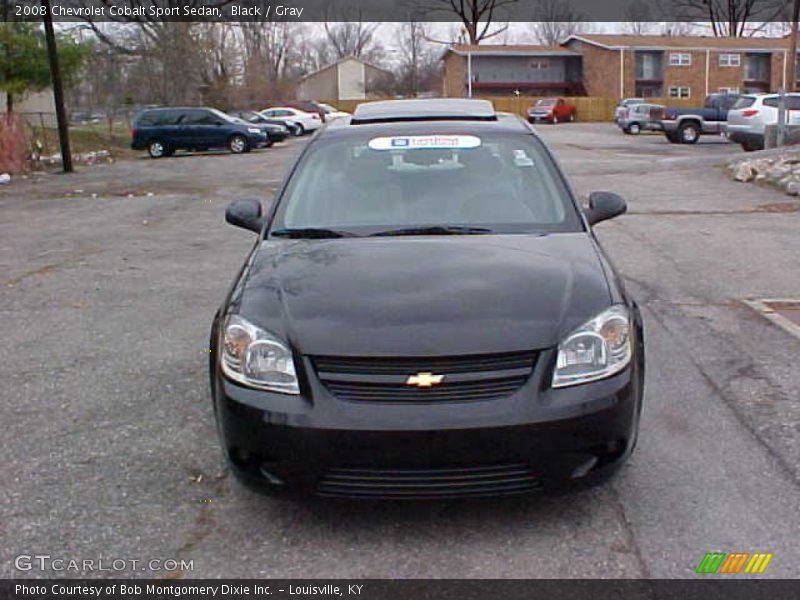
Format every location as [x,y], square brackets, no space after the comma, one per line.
[497,480]
[450,379]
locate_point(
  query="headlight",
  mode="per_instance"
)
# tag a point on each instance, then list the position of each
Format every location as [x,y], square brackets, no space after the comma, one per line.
[595,350]
[253,130]
[256,358]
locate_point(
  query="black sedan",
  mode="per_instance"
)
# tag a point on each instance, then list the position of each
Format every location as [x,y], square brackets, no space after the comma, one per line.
[426,313]
[279,128]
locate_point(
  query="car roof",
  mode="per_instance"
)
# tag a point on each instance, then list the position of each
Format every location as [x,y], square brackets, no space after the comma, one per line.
[424,109]
[507,123]
[162,108]
[769,95]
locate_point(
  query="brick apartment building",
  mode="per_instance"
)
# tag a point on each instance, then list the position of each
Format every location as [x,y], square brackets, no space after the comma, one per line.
[619,66]
[502,70]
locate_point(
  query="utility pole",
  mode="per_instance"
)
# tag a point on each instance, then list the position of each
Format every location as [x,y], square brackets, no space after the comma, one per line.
[58,90]
[469,73]
[792,79]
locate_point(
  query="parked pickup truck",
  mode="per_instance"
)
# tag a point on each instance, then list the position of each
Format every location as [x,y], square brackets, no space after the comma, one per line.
[686,125]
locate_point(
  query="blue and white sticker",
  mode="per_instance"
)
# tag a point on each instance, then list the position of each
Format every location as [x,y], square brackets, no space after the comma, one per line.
[436,142]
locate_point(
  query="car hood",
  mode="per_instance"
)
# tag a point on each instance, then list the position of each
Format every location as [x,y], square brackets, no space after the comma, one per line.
[418,296]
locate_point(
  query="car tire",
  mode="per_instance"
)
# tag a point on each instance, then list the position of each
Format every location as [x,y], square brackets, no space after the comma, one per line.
[634,129]
[300,129]
[572,117]
[751,146]
[672,137]
[158,149]
[238,144]
[555,120]
[688,133]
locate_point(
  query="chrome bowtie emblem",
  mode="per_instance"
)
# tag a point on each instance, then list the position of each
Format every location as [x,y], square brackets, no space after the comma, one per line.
[424,380]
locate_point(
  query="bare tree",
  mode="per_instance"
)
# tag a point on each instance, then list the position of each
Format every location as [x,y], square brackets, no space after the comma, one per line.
[267,46]
[557,21]
[476,16]
[313,54]
[639,18]
[729,18]
[155,44]
[419,62]
[353,38]
[677,28]
[219,62]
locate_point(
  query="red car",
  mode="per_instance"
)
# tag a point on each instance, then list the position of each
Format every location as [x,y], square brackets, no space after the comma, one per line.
[552,110]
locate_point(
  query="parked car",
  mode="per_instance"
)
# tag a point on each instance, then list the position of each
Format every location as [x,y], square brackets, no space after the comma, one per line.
[252,116]
[276,131]
[751,114]
[162,131]
[85,118]
[552,110]
[639,117]
[686,125]
[308,106]
[623,104]
[307,122]
[332,113]
[427,313]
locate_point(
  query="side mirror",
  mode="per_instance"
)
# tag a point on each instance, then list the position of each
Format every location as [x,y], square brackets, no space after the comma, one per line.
[245,214]
[604,206]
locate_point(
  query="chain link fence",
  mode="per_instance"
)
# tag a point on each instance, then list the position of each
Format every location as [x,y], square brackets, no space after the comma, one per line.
[29,140]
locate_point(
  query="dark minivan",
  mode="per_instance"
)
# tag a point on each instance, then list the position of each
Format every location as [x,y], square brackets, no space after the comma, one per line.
[162,131]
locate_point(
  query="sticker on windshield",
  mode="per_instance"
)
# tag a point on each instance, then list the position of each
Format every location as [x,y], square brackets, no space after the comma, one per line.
[412,142]
[521,159]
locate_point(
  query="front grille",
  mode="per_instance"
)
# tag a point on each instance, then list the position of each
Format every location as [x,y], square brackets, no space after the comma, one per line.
[464,378]
[496,480]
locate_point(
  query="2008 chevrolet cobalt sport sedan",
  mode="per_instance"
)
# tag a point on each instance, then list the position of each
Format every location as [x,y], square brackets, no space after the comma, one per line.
[426,314]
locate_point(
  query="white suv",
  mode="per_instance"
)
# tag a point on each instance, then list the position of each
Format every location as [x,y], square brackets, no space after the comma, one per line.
[750,115]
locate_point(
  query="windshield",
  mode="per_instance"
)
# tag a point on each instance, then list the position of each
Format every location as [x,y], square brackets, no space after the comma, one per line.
[365,186]
[225,116]
[545,103]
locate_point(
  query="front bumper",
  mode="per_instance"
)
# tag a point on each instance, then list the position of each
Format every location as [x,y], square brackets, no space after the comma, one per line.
[257,140]
[317,443]
[540,116]
[277,136]
[668,126]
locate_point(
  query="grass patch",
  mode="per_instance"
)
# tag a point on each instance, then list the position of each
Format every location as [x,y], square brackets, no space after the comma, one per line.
[84,138]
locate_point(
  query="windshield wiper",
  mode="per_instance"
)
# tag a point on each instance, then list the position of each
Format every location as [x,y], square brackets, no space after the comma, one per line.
[436,230]
[311,233]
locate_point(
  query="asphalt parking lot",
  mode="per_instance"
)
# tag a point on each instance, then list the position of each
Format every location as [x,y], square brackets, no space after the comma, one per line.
[108,282]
